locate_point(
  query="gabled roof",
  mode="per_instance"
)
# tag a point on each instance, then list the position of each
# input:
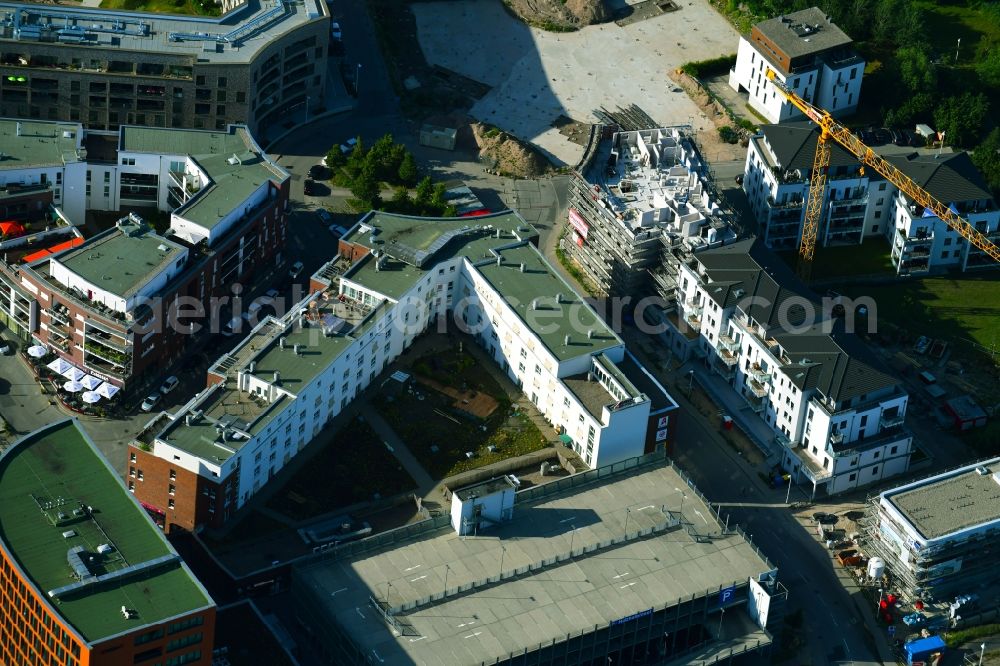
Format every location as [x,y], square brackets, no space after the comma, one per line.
[835,363]
[950,177]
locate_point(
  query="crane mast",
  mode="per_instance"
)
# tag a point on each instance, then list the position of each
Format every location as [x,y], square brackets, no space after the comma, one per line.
[831,130]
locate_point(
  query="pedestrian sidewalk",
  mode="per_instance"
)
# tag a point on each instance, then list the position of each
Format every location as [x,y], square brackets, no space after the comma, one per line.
[733,405]
[398,448]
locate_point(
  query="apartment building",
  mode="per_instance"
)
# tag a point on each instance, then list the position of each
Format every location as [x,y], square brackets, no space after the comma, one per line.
[636,195]
[108,305]
[859,204]
[836,413]
[936,536]
[395,276]
[85,577]
[809,54]
[106,69]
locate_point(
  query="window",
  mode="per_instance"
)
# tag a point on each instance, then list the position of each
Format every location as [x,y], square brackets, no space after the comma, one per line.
[944,255]
[173,475]
[131,457]
[170,504]
[854,73]
[852,477]
[171,489]
[874,470]
[128,161]
[199,80]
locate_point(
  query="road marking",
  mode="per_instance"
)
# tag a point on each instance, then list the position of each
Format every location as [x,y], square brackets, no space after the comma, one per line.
[566,520]
[360,613]
[620,575]
[643,508]
[474,635]
[414,580]
[466,624]
[701,516]
[415,566]
[336,592]
[380,659]
[627,585]
[414,640]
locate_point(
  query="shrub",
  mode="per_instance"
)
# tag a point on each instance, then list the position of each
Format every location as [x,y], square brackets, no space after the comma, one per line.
[702,68]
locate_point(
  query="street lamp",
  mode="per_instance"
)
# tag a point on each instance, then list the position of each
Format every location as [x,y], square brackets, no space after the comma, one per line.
[690,382]
[878,606]
[357,81]
[788,495]
[982,649]
[572,534]
[721,615]
[307,109]
[627,512]
[503,551]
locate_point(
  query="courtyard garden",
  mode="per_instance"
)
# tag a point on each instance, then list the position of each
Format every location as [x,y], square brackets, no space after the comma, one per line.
[355,466]
[453,408]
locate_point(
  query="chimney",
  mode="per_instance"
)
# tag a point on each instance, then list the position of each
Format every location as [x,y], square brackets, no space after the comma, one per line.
[276,380]
[19,128]
[499,260]
[590,334]
[281,342]
[559,298]
[566,341]
[534,303]
[521,267]
[298,349]
[253,367]
[188,420]
[498,230]
[590,376]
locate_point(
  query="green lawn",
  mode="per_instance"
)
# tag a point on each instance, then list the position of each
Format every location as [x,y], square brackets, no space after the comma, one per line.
[941,307]
[439,436]
[869,258]
[973,23]
[350,469]
[165,6]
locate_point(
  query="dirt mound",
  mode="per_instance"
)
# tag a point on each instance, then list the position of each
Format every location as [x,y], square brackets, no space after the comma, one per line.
[510,156]
[559,14]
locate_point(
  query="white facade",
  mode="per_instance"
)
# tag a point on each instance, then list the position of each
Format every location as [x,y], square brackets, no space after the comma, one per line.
[832,444]
[922,244]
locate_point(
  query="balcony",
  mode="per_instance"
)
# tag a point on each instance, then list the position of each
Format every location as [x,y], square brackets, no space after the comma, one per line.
[692,307]
[924,239]
[782,440]
[886,421]
[57,317]
[784,205]
[728,357]
[757,404]
[725,370]
[759,374]
[759,389]
[729,344]
[693,321]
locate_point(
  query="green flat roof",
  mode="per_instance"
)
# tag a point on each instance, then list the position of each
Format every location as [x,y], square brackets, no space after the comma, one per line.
[56,470]
[551,321]
[231,183]
[123,259]
[39,144]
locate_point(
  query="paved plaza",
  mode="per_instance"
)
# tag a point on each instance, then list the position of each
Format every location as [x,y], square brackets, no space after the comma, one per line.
[538,76]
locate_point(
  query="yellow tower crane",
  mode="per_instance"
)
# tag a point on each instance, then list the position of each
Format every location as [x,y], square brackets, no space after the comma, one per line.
[830,129]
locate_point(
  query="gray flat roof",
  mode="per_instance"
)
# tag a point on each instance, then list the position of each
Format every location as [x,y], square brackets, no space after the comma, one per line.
[122,259]
[568,597]
[119,30]
[950,502]
[38,143]
[484,488]
[232,181]
[803,32]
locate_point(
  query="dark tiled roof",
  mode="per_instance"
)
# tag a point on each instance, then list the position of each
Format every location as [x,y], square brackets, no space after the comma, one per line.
[835,363]
[750,275]
[952,177]
[804,32]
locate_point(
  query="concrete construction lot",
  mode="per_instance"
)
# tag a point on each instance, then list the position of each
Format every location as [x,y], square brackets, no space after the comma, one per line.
[538,76]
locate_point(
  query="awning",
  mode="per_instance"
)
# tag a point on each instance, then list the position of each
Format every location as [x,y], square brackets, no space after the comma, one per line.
[565,439]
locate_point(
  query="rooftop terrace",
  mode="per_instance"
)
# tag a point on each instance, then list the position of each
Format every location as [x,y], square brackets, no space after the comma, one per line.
[53,482]
[545,604]
[951,502]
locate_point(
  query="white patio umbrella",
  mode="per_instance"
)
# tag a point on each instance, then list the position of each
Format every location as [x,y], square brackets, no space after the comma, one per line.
[72,386]
[37,351]
[90,397]
[107,390]
[73,373]
[60,365]
[90,382]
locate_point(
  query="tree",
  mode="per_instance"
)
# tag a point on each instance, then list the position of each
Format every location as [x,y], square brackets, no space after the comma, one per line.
[915,68]
[366,188]
[408,173]
[425,190]
[335,158]
[988,68]
[401,201]
[914,109]
[438,200]
[380,157]
[356,160]
[987,159]
[961,117]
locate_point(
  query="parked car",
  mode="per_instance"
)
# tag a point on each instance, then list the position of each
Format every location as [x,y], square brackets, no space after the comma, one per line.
[5,348]
[309,187]
[150,402]
[348,145]
[897,136]
[317,171]
[850,558]
[296,269]
[324,216]
[169,384]
[232,327]
[335,32]
[272,294]
[922,344]
[882,136]
[824,518]
[914,619]
[867,136]
[338,230]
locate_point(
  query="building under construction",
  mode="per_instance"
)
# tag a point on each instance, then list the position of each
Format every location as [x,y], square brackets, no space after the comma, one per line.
[636,196]
[938,536]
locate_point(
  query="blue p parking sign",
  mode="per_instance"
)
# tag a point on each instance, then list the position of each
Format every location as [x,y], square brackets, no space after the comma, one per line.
[726,595]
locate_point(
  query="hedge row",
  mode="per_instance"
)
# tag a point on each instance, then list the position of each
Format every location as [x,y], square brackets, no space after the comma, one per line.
[702,68]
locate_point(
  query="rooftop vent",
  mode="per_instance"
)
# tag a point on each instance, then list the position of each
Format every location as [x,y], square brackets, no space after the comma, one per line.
[277,378]
[234,160]
[162,248]
[521,267]
[566,341]
[298,349]
[68,534]
[590,334]
[982,470]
